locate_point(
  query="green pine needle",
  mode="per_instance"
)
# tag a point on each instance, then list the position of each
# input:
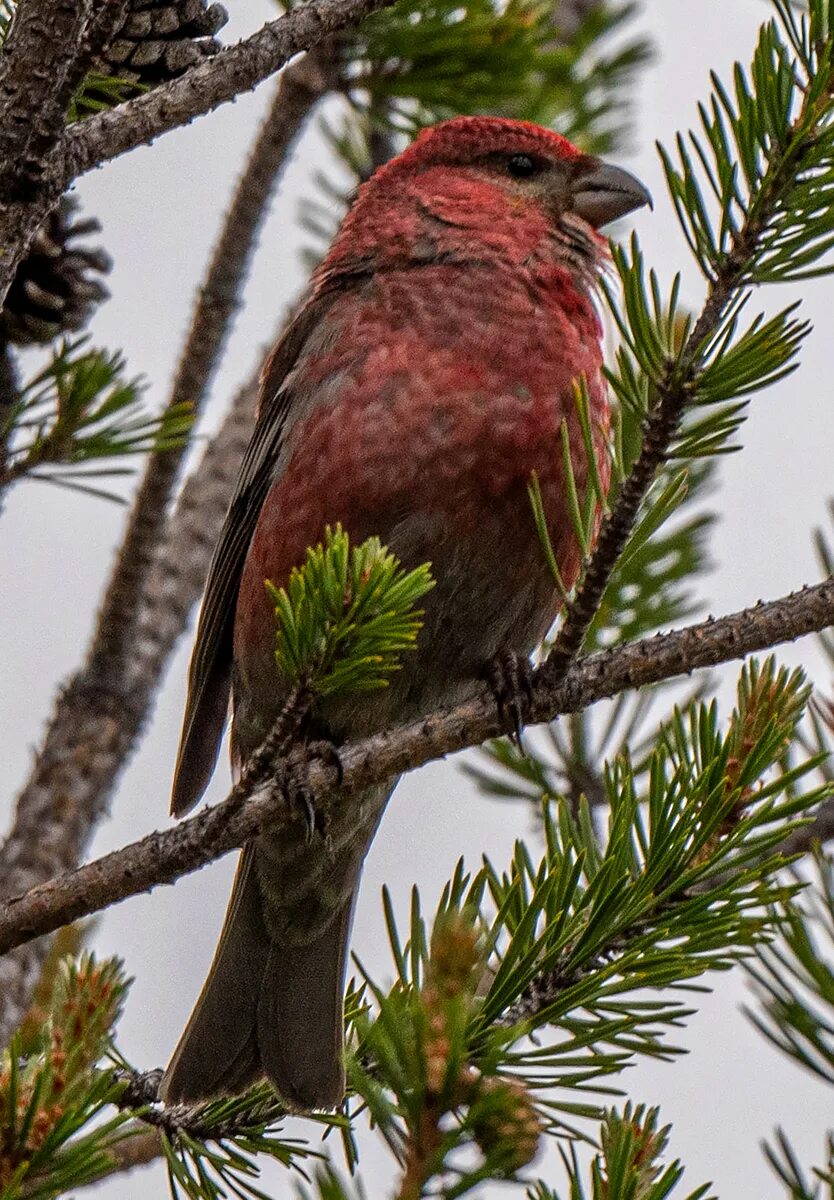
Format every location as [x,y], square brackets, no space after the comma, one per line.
[78,416]
[215,1154]
[98,93]
[534,491]
[629,1163]
[53,1130]
[347,615]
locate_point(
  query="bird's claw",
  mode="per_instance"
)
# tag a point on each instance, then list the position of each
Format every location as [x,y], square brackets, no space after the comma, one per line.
[299,791]
[509,677]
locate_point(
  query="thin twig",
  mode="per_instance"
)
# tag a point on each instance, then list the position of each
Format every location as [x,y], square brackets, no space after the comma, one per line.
[142,1095]
[260,797]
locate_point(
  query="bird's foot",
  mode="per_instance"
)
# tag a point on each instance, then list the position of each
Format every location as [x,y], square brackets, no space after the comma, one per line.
[298,788]
[509,677]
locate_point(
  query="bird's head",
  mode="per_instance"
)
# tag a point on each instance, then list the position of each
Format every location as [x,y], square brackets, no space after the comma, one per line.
[487,182]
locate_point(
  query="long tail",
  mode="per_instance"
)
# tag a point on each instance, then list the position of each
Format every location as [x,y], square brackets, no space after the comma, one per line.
[273,1004]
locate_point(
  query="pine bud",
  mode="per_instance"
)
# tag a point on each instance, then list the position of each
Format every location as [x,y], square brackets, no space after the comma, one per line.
[455,957]
[505,1123]
[453,970]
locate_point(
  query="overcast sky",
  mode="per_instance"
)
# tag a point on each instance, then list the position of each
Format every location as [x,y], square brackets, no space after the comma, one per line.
[160,209]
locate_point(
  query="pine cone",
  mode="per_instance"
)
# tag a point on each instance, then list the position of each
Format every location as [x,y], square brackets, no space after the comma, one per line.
[56,286]
[161,39]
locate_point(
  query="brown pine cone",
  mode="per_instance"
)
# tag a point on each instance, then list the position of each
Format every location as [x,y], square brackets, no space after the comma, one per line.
[161,39]
[58,283]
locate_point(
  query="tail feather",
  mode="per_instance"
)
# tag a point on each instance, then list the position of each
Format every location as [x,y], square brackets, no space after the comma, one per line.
[218,1054]
[267,1008]
[301,1017]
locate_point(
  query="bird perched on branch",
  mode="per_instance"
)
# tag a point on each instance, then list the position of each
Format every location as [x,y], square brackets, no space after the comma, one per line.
[424,380]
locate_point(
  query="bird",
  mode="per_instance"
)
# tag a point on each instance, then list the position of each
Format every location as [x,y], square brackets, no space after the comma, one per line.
[422,382]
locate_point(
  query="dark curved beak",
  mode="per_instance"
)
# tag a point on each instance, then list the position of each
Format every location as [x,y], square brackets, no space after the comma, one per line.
[601,192]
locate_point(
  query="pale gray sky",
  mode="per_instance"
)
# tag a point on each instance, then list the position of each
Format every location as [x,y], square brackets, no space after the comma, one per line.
[160,209]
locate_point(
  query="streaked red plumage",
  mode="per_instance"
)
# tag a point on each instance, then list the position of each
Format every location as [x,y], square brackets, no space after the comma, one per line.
[424,382]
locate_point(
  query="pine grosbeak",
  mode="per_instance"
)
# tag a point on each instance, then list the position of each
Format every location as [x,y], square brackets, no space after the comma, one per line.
[423,381]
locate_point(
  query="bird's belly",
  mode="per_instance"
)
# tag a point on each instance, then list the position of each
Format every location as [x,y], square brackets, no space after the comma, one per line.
[493,590]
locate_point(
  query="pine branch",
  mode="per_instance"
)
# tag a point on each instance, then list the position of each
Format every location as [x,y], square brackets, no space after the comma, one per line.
[237,69]
[36,85]
[534,992]
[44,59]
[788,152]
[629,1163]
[88,143]
[78,419]
[260,797]
[212,1146]
[217,301]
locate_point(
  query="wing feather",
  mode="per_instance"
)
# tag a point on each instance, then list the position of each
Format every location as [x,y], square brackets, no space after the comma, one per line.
[209,678]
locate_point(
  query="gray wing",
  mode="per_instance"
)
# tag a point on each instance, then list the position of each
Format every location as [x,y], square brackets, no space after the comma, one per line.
[209,678]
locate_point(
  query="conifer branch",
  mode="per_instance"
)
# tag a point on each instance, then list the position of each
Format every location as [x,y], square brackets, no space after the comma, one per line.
[260,797]
[790,155]
[44,59]
[230,72]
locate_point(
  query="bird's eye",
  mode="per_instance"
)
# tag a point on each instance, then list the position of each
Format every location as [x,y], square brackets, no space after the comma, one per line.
[522,166]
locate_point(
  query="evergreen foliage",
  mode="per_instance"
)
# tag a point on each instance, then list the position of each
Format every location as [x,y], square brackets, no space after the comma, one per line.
[77,414]
[346,615]
[793,981]
[53,1099]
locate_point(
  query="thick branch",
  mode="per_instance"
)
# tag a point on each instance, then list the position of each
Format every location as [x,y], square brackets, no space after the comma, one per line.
[259,798]
[36,83]
[217,301]
[224,76]
[45,57]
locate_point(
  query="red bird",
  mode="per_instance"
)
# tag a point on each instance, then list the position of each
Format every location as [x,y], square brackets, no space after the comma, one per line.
[421,384]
